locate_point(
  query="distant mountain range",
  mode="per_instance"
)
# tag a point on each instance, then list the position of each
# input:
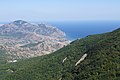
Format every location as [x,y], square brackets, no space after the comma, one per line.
[95,57]
[20,39]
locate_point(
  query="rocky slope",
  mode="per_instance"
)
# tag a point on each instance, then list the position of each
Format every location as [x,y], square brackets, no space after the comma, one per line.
[21,39]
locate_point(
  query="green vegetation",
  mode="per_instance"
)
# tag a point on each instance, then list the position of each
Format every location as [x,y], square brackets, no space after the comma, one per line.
[101,63]
[2,56]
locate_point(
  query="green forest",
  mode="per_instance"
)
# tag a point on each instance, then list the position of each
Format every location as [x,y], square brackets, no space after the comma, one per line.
[101,63]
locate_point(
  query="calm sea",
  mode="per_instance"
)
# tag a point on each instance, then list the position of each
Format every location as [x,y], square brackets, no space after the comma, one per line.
[81,29]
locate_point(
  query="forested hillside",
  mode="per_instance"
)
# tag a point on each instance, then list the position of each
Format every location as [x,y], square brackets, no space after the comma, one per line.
[101,62]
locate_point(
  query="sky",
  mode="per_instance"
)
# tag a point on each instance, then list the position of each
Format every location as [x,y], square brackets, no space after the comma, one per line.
[59,10]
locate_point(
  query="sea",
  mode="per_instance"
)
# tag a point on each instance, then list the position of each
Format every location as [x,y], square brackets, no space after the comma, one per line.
[80,29]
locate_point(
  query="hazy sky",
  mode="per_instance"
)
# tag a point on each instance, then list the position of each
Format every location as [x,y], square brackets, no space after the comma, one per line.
[60,10]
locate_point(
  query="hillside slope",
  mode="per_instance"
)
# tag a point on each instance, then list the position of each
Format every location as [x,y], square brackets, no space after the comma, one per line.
[98,56]
[22,39]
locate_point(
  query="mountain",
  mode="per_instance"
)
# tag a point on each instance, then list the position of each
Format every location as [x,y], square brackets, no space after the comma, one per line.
[19,27]
[95,57]
[20,39]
